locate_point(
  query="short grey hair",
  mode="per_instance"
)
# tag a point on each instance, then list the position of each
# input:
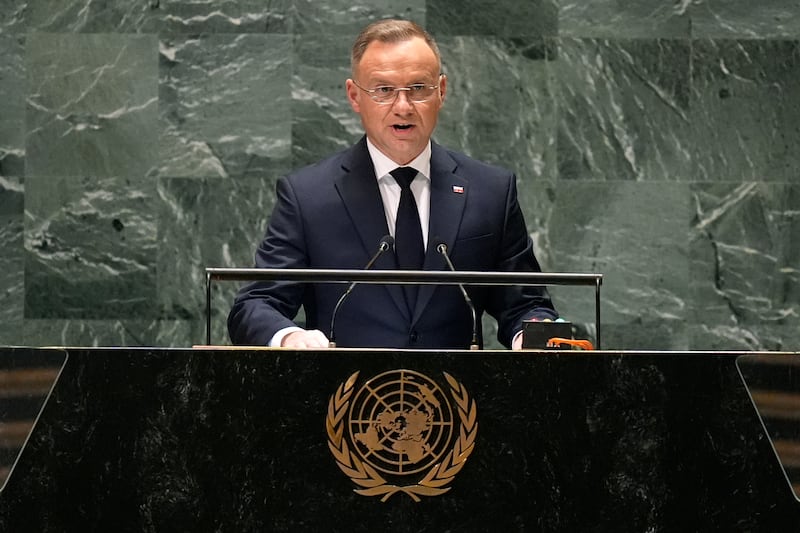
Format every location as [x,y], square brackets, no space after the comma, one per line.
[390,31]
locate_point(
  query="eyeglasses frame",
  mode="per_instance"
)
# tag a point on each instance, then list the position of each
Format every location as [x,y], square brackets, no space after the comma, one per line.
[396,92]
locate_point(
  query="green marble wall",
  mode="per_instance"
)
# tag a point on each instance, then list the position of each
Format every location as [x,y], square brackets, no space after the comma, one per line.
[655,142]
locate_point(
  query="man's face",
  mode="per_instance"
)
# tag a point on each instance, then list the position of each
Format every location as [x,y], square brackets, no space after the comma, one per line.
[401,129]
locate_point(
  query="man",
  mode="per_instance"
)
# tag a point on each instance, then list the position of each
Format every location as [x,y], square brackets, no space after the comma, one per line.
[335,213]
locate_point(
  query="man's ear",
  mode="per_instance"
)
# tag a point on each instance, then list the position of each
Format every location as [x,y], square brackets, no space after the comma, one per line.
[352,95]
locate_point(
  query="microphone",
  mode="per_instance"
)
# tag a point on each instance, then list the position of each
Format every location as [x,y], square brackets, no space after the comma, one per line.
[442,249]
[386,243]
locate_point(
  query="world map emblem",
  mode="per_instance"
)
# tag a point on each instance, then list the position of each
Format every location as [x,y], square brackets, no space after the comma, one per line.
[401,432]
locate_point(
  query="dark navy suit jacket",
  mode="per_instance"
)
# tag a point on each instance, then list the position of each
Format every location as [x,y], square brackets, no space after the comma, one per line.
[330,215]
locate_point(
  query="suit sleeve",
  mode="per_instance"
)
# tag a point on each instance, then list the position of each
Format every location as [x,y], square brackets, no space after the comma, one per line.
[510,305]
[263,308]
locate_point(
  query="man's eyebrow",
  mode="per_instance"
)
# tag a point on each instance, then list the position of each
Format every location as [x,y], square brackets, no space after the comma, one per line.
[418,77]
[383,83]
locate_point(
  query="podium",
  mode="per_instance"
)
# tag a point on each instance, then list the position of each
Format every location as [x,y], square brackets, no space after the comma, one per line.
[246,440]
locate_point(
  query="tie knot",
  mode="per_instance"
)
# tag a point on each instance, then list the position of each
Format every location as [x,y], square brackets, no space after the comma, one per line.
[404,176]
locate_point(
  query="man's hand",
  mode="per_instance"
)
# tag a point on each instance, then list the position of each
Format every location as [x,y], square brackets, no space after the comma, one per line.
[305,339]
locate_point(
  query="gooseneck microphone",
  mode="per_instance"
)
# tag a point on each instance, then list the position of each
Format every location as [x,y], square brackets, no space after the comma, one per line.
[442,249]
[386,243]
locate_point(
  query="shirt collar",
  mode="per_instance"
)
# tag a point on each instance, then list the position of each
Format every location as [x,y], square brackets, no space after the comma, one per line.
[384,165]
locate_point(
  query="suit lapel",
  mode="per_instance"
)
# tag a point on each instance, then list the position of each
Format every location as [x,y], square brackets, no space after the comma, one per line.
[448,198]
[358,189]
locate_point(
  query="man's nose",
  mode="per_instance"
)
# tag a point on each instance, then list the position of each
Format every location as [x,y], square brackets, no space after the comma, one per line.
[403,101]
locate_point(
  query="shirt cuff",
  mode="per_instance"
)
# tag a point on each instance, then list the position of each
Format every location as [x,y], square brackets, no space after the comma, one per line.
[517,338]
[277,339]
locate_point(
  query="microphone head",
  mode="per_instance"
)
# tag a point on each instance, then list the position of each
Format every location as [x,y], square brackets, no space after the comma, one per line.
[441,247]
[387,241]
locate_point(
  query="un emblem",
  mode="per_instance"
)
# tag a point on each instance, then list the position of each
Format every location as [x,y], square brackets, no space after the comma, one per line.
[401,425]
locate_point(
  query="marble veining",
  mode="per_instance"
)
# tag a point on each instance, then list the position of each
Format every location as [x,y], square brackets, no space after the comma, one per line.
[746,110]
[740,228]
[625,110]
[645,19]
[91,97]
[224,105]
[747,20]
[90,240]
[12,279]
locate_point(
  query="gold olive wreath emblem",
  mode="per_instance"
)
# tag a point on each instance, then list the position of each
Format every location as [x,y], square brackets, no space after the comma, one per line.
[399,424]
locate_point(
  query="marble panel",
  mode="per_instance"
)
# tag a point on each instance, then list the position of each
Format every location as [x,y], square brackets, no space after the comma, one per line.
[92,107]
[624,110]
[12,105]
[90,247]
[13,17]
[322,120]
[499,105]
[756,337]
[222,295]
[151,16]
[114,333]
[224,16]
[503,18]
[745,19]
[647,334]
[348,17]
[537,201]
[92,16]
[12,193]
[636,235]
[745,265]
[225,105]
[745,110]
[207,223]
[177,333]
[646,19]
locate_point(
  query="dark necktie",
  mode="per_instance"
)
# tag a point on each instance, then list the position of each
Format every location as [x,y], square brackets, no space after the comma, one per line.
[408,243]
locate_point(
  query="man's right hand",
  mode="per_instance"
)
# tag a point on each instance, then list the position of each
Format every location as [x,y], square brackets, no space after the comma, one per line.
[305,339]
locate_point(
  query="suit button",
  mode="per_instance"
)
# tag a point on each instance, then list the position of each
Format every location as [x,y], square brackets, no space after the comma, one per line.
[413,337]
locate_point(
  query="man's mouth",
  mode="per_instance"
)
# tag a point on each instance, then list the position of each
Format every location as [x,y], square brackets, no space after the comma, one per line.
[403,127]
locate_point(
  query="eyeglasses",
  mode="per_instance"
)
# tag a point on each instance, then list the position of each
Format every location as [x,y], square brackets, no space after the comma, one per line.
[386,94]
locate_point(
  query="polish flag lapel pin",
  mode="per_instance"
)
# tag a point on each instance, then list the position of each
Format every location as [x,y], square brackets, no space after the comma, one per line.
[458,189]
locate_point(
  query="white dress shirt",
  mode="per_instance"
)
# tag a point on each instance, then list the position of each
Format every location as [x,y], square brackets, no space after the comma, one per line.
[390,190]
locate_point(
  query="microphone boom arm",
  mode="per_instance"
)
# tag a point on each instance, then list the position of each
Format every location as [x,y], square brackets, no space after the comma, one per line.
[386,242]
[442,249]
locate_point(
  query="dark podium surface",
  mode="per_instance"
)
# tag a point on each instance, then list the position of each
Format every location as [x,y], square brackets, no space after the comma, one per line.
[236,440]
